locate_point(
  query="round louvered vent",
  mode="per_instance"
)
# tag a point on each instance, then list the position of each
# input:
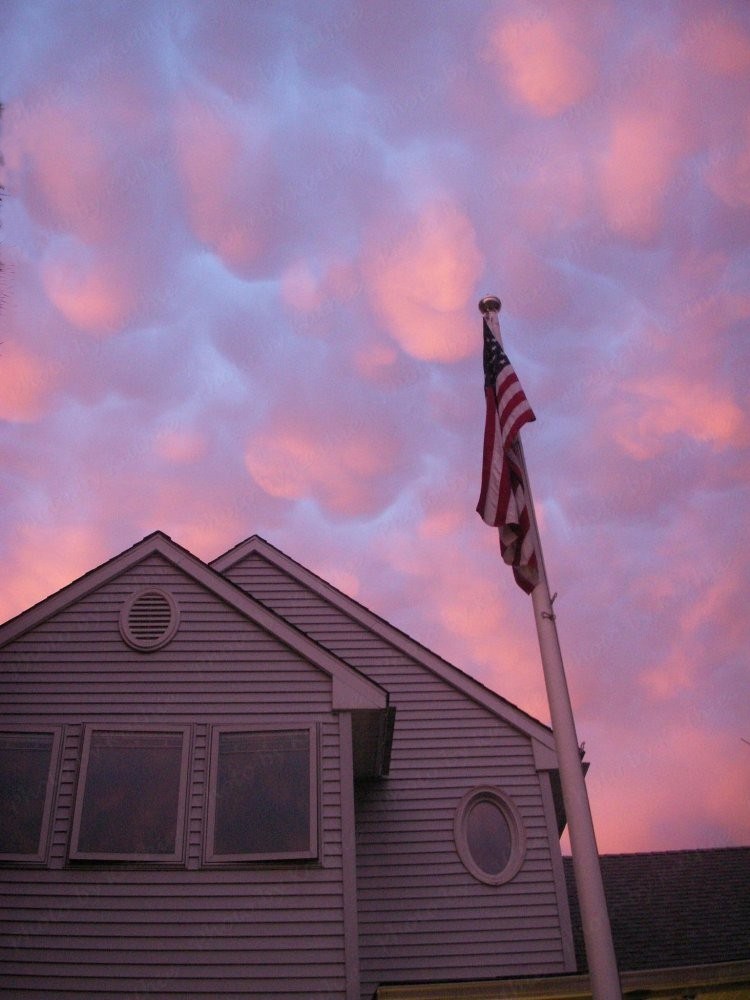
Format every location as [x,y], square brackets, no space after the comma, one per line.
[149,619]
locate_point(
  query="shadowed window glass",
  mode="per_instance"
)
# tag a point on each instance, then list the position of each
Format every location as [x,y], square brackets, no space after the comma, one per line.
[263,794]
[131,798]
[488,836]
[24,772]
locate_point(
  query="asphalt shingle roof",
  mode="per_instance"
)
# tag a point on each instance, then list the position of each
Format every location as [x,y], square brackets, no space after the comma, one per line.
[673,908]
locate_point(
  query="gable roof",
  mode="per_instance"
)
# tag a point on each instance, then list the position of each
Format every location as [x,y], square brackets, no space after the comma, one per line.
[351,689]
[542,735]
[673,908]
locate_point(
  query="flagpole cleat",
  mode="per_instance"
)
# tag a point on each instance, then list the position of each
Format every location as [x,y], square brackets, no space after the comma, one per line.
[490,303]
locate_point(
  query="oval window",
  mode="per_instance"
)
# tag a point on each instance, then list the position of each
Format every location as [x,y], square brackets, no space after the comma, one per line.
[489,835]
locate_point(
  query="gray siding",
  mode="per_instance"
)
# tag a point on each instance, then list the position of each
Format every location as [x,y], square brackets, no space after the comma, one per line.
[422,916]
[186,930]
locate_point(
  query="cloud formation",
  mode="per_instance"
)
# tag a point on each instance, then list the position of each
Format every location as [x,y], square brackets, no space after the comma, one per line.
[243,246]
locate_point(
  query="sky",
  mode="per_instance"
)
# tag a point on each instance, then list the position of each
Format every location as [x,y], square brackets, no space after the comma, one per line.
[243,247]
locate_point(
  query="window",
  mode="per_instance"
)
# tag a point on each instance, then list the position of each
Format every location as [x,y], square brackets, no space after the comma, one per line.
[26,789]
[131,794]
[489,835]
[263,803]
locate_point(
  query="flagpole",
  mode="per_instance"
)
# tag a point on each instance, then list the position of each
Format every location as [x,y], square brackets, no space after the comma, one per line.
[597,934]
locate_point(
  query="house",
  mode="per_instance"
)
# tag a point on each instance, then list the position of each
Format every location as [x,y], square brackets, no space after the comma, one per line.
[229,779]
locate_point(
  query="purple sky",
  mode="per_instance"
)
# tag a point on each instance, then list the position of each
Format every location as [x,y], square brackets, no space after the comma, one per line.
[244,243]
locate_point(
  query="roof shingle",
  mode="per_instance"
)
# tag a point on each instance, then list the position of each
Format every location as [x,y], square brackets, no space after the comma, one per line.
[673,908]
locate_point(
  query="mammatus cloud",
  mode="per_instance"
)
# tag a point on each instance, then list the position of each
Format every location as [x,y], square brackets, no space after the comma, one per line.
[92,293]
[546,58]
[421,274]
[228,180]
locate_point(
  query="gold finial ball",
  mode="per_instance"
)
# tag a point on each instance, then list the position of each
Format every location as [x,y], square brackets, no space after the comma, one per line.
[490,303]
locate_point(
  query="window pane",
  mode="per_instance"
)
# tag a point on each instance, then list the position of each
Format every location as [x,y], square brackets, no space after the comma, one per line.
[24,769]
[263,793]
[488,836]
[131,799]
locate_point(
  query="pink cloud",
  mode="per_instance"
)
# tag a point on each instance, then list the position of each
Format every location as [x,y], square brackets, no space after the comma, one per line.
[46,557]
[712,606]
[343,463]
[301,290]
[639,163]
[376,361]
[180,446]
[26,383]
[192,517]
[95,294]
[652,802]
[660,406]
[380,362]
[439,523]
[698,584]
[57,157]
[421,276]
[228,181]
[718,43]
[344,580]
[307,289]
[546,58]
[554,194]
[83,162]
[535,288]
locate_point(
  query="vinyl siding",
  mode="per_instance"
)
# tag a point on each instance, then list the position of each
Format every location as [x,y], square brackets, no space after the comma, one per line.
[422,916]
[262,930]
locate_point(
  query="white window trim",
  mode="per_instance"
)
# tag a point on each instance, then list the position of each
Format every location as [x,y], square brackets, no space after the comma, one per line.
[175,856]
[311,853]
[40,856]
[490,793]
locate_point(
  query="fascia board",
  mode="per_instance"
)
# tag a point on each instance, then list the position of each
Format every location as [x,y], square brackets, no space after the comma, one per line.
[545,756]
[516,717]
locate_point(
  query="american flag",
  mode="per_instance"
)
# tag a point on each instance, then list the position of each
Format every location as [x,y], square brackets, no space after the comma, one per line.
[502,499]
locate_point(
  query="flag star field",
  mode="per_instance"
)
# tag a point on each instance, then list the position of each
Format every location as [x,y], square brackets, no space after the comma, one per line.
[243,245]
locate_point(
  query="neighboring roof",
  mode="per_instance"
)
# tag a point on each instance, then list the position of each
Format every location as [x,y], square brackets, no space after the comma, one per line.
[395,637]
[673,908]
[351,689]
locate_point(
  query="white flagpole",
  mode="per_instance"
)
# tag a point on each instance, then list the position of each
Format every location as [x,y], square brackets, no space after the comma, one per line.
[597,934]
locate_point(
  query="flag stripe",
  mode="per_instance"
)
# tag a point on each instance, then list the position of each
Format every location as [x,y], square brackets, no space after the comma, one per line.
[489,448]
